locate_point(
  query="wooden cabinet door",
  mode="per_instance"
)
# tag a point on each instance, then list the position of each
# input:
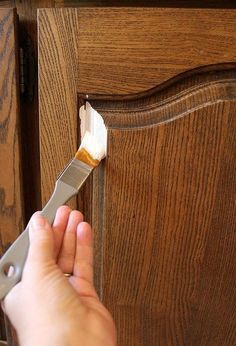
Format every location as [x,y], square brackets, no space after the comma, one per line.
[162,204]
[11,206]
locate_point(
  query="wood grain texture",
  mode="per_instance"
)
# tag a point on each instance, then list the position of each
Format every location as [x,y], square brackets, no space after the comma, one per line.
[128,50]
[57,94]
[27,12]
[11,202]
[10,178]
[106,51]
[168,215]
[164,262]
[27,15]
[149,3]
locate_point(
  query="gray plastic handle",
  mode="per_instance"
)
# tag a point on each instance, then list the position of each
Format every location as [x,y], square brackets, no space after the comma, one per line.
[17,253]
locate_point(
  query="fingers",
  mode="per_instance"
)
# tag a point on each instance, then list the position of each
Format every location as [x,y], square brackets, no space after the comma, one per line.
[41,240]
[59,226]
[66,256]
[74,243]
[83,264]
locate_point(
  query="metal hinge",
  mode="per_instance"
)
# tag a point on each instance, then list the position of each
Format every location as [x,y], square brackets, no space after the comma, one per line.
[27,69]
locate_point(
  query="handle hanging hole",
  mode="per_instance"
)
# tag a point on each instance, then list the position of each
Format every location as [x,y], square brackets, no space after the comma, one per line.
[9,269]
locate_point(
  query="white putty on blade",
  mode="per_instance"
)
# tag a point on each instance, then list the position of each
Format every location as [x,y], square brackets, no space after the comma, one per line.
[92,124]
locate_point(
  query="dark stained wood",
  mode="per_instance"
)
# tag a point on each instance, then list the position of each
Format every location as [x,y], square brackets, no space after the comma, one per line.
[27,14]
[7,4]
[10,182]
[117,3]
[58,109]
[128,50]
[11,202]
[2,326]
[168,215]
[150,3]
[116,56]
[27,11]
[162,204]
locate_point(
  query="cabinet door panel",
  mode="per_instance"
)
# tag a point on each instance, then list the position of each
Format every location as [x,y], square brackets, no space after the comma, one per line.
[124,50]
[162,204]
[168,216]
[117,51]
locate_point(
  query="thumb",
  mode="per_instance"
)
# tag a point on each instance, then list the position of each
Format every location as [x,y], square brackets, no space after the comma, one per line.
[41,240]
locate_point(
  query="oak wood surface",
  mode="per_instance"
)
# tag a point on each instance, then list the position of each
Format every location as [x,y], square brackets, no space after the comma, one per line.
[27,15]
[149,3]
[57,96]
[129,50]
[11,202]
[27,25]
[27,12]
[108,51]
[168,215]
[162,204]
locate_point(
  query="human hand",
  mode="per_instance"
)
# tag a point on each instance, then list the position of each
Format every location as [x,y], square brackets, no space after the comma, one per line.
[47,308]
